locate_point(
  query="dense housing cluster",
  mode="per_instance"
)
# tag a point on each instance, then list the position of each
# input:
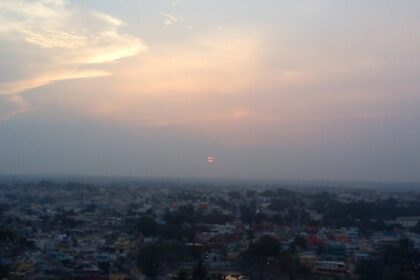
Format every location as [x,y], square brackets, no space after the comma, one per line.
[185,230]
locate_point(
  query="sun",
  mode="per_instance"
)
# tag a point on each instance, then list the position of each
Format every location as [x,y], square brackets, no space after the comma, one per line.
[210,159]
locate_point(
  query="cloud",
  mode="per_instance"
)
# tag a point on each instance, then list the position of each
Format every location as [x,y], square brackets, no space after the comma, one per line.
[169,19]
[175,2]
[23,85]
[216,62]
[65,41]
[10,105]
[200,80]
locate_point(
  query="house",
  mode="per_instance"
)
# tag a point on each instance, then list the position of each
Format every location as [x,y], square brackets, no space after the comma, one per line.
[408,222]
[330,268]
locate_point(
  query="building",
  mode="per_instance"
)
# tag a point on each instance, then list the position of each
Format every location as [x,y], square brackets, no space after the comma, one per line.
[408,222]
[329,268]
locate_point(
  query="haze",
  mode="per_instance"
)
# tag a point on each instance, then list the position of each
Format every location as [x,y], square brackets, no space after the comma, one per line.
[325,90]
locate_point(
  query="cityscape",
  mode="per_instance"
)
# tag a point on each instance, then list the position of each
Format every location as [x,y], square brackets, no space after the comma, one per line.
[209,140]
[181,229]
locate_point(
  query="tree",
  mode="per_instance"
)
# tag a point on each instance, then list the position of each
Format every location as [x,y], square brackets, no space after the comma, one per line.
[182,275]
[416,228]
[215,217]
[199,272]
[105,267]
[279,204]
[300,241]
[247,214]
[266,246]
[152,257]
[147,226]
[4,271]
[369,270]
[150,260]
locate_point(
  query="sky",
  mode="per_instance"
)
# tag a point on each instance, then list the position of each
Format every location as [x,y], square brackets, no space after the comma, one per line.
[271,89]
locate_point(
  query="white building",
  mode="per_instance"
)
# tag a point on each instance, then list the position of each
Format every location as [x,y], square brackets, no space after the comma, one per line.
[408,222]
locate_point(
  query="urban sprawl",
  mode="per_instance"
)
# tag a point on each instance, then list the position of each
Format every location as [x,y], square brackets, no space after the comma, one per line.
[186,230]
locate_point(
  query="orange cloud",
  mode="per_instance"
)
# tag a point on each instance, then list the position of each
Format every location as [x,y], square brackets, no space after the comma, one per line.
[66,38]
[216,63]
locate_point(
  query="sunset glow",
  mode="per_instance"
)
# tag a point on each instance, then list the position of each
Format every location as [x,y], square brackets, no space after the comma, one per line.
[283,87]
